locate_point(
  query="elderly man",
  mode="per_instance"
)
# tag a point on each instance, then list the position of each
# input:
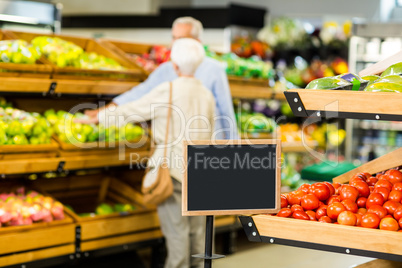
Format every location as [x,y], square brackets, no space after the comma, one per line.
[210,73]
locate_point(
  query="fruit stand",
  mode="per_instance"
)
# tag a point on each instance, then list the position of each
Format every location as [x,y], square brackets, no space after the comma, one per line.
[340,238]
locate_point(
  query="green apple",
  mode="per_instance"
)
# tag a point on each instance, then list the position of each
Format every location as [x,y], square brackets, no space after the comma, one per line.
[20,139]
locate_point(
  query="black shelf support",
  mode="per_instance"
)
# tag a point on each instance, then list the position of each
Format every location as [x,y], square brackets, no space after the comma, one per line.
[296,104]
[250,229]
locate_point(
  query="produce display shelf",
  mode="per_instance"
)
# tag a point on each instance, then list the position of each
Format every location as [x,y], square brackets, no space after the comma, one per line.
[37,241]
[298,146]
[55,164]
[251,91]
[130,73]
[58,87]
[350,240]
[345,104]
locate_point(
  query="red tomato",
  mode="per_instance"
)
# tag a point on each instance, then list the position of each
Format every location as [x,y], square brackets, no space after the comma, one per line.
[295,197]
[284,201]
[379,210]
[305,187]
[388,216]
[389,224]
[370,220]
[362,211]
[350,205]
[309,202]
[362,187]
[391,206]
[325,219]
[296,208]
[335,209]
[398,213]
[336,185]
[361,202]
[334,198]
[395,196]
[383,183]
[400,223]
[371,189]
[349,192]
[320,190]
[394,176]
[347,218]
[284,212]
[301,215]
[355,179]
[397,186]
[321,211]
[371,181]
[311,214]
[382,190]
[330,187]
[374,199]
[358,219]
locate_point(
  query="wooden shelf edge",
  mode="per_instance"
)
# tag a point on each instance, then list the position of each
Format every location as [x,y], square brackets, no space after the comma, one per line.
[353,237]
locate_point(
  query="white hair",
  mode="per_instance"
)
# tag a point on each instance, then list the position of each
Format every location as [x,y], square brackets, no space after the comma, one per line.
[187,54]
[196,26]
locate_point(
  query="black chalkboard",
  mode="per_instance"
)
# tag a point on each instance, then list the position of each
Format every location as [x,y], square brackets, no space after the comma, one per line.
[232,179]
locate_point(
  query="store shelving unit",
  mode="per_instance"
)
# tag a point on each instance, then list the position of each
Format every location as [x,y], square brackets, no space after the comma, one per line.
[333,237]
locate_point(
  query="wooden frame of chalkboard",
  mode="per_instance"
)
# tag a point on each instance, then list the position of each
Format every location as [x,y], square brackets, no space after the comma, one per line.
[275,204]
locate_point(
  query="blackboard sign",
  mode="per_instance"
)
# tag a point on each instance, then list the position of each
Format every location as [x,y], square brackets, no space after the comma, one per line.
[231,177]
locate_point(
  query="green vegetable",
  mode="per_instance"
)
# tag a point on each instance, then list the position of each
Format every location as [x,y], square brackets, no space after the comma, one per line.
[329,83]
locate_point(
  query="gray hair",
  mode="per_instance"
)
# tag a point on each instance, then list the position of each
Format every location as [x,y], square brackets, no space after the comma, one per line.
[196,26]
[187,54]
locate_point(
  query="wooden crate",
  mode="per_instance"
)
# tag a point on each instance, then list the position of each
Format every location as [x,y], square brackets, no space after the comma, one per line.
[126,49]
[85,193]
[131,73]
[39,70]
[10,152]
[37,241]
[353,238]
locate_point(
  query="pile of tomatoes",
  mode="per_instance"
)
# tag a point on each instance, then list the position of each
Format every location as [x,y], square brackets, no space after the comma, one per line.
[367,201]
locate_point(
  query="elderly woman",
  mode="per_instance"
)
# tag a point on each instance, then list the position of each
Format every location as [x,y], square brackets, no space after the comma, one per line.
[192,118]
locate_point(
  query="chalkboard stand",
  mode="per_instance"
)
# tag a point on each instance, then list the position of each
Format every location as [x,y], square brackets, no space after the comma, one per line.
[208,256]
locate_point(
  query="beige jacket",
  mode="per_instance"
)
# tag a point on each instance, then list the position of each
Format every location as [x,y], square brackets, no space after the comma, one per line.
[192,118]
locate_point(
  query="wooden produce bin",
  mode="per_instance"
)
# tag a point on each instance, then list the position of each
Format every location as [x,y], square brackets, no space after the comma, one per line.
[131,73]
[11,152]
[337,238]
[85,193]
[39,70]
[21,244]
[127,50]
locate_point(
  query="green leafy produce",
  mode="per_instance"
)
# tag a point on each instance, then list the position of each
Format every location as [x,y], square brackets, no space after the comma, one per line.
[384,87]
[357,82]
[64,53]
[371,78]
[390,79]
[18,51]
[252,67]
[395,69]
[329,83]
[255,122]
